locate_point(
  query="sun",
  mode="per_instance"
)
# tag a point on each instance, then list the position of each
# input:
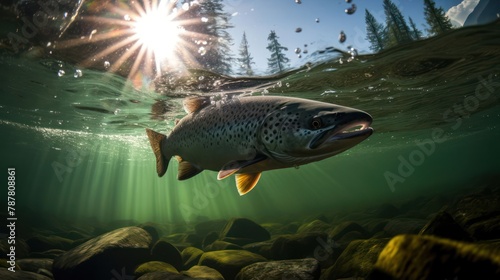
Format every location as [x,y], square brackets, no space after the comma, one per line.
[144,38]
[158,32]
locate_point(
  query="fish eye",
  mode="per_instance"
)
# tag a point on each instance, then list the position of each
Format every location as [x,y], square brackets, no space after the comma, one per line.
[316,123]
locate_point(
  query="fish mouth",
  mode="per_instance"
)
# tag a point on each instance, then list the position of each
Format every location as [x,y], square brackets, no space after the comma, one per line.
[354,128]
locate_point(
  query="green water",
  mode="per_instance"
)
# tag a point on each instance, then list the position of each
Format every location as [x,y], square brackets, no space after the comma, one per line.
[81,152]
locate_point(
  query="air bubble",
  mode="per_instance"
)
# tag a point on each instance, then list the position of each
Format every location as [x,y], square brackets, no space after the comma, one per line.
[298,30]
[202,51]
[107,64]
[126,17]
[351,10]
[317,20]
[297,50]
[78,73]
[342,37]
[204,19]
[298,1]
[348,1]
[61,73]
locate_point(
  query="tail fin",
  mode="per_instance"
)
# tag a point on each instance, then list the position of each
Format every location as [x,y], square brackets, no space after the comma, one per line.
[156,139]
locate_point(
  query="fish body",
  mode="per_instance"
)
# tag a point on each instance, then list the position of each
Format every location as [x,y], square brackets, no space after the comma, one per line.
[248,135]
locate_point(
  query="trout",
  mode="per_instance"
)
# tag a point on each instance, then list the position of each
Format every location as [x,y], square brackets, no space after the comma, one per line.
[248,135]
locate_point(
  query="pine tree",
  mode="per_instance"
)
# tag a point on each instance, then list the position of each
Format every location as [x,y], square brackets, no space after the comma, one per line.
[436,18]
[398,30]
[374,32]
[213,41]
[415,33]
[245,60]
[278,61]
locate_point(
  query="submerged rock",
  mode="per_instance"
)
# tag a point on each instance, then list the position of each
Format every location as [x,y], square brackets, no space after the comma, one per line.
[49,254]
[304,269]
[348,227]
[356,260]
[222,245]
[204,228]
[404,226]
[314,226]
[166,252]
[203,272]
[21,275]
[104,256]
[154,266]
[443,225]
[41,243]
[298,246]
[488,229]
[163,275]
[429,257]
[261,248]
[229,262]
[33,265]
[210,238]
[246,230]
[190,256]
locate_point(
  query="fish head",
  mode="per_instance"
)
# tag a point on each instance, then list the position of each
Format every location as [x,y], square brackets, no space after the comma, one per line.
[306,131]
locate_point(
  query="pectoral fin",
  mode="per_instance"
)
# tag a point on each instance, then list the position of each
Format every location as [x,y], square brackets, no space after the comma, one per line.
[187,170]
[246,182]
[236,165]
[156,140]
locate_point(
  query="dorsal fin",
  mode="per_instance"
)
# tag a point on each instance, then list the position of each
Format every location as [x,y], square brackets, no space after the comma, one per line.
[195,103]
[187,170]
[246,182]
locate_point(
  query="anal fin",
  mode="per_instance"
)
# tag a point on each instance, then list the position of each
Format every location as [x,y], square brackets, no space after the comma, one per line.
[245,182]
[187,170]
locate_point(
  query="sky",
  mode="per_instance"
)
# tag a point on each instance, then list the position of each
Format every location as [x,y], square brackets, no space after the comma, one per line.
[258,17]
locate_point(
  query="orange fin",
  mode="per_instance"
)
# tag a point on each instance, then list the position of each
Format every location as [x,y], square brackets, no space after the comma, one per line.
[187,170]
[246,182]
[156,139]
[195,103]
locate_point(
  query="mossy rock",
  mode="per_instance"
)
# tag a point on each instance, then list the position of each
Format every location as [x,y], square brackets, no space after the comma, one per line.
[190,256]
[430,257]
[154,266]
[304,269]
[203,272]
[34,265]
[229,262]
[119,250]
[297,246]
[346,227]
[41,243]
[20,275]
[443,225]
[245,229]
[356,260]
[314,226]
[219,245]
[166,252]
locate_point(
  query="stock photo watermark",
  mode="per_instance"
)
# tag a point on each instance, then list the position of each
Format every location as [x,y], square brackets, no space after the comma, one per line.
[121,275]
[11,219]
[71,160]
[33,26]
[454,115]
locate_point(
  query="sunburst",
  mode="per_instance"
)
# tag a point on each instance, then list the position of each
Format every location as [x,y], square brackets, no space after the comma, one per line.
[146,37]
